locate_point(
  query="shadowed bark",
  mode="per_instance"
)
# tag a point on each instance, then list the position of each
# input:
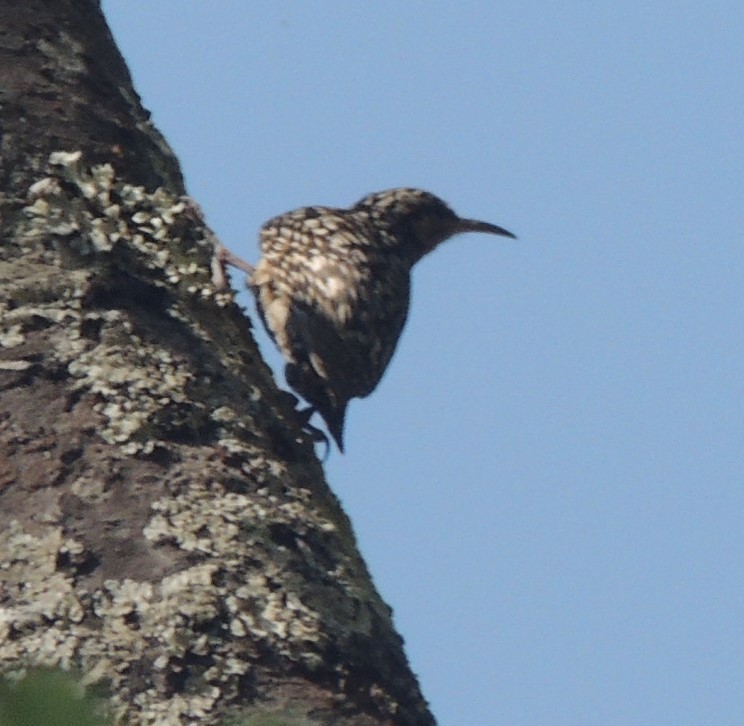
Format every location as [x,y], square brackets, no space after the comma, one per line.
[165,529]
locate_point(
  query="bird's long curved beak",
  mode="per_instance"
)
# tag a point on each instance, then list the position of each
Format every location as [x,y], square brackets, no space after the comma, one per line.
[473,225]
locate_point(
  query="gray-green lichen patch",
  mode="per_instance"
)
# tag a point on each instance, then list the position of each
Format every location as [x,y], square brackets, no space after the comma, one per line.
[133,380]
[106,230]
[90,212]
[264,569]
[267,605]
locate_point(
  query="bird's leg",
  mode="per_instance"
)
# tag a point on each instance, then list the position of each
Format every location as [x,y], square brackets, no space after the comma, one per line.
[221,258]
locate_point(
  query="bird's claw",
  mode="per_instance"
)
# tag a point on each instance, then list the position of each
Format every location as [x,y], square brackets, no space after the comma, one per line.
[316,435]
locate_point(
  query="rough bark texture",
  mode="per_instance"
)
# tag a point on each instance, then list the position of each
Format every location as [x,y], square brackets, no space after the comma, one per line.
[164,528]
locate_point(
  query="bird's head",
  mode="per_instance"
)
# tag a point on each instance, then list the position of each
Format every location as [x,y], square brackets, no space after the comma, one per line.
[417,220]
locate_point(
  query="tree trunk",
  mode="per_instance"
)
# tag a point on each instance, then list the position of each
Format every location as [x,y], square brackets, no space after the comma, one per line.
[165,528]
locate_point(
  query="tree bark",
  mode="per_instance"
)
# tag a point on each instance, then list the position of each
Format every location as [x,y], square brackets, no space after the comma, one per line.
[165,528]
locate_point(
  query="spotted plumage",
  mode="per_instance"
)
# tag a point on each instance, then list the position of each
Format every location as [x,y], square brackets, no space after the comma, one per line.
[333,287]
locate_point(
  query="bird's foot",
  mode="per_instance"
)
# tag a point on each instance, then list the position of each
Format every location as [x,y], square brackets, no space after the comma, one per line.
[317,436]
[221,258]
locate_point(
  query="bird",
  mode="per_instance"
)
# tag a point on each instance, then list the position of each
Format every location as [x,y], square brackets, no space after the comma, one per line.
[332,288]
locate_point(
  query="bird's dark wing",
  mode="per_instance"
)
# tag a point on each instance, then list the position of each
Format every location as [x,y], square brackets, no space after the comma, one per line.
[350,357]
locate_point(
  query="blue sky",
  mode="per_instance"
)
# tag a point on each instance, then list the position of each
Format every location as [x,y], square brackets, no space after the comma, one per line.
[548,485]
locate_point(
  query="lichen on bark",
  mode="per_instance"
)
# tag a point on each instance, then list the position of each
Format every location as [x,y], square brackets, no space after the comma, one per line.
[176,548]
